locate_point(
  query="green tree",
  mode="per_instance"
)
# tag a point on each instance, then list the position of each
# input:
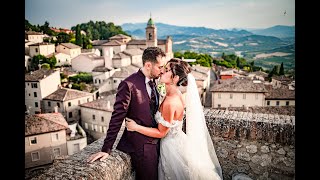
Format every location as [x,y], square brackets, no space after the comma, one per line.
[281,71]
[238,62]
[223,56]
[63,37]
[36,60]
[46,29]
[45,66]
[78,36]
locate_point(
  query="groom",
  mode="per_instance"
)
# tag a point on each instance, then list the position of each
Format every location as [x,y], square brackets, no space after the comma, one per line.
[136,100]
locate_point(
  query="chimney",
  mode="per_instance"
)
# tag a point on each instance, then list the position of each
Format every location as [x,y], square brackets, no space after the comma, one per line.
[56,109]
[108,104]
[107,53]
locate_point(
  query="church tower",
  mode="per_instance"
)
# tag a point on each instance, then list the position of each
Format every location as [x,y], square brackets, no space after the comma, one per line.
[151,34]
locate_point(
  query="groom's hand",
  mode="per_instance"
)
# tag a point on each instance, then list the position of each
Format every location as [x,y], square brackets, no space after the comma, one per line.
[101,155]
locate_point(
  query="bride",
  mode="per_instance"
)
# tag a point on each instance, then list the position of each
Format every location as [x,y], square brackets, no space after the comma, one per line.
[189,155]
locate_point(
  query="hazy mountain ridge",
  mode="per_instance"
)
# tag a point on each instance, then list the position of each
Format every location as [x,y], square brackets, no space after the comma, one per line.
[237,41]
[276,31]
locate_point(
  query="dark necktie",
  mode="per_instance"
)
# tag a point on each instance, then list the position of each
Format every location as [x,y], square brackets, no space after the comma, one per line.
[153,101]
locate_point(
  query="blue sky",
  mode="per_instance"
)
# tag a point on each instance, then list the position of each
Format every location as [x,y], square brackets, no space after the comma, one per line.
[217,14]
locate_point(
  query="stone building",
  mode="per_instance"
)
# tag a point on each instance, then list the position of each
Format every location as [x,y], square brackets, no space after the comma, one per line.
[66,101]
[45,138]
[238,92]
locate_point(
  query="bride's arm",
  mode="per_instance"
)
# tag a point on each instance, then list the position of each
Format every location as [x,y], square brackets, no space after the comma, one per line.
[159,132]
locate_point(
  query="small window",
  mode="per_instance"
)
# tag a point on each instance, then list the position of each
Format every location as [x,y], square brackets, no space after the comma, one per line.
[35,94]
[36,104]
[58,104]
[33,140]
[79,112]
[79,102]
[34,85]
[70,114]
[278,103]
[95,81]
[114,81]
[56,152]
[268,103]
[69,104]
[287,103]
[244,96]
[93,117]
[55,137]
[219,105]
[35,156]
[76,147]
[231,96]
[88,99]
[219,95]
[102,119]
[49,103]
[36,50]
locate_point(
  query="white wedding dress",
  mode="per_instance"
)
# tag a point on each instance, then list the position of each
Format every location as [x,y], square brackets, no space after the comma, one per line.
[190,155]
[173,160]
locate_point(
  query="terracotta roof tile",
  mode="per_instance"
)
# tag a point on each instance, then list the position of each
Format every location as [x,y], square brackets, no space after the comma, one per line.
[38,74]
[44,123]
[238,85]
[65,94]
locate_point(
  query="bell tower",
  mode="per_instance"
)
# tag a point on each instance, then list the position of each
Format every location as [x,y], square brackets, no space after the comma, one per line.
[151,34]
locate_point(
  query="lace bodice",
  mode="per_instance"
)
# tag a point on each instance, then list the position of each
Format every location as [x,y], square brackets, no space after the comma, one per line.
[175,126]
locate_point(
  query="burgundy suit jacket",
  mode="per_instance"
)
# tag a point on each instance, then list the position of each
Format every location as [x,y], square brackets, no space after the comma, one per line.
[132,101]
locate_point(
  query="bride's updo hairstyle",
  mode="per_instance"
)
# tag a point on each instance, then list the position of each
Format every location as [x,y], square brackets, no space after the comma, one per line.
[180,68]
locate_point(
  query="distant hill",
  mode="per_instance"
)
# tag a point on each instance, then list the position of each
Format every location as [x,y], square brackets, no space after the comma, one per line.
[276,31]
[245,43]
[170,30]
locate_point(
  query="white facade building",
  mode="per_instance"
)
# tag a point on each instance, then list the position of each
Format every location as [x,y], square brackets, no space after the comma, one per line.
[39,84]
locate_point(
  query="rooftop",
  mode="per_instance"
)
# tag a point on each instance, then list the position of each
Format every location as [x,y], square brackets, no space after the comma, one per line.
[38,74]
[66,94]
[44,123]
[282,92]
[70,45]
[104,104]
[237,85]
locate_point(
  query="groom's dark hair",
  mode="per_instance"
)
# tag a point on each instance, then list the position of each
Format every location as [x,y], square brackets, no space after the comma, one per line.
[151,54]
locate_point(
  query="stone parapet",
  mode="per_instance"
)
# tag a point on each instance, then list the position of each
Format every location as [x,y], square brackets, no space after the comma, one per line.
[237,125]
[251,145]
[116,167]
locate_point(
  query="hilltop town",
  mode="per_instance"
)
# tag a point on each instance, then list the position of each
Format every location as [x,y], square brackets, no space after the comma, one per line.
[70,90]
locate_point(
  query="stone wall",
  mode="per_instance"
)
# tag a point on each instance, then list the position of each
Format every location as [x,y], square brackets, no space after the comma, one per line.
[116,167]
[259,146]
[248,145]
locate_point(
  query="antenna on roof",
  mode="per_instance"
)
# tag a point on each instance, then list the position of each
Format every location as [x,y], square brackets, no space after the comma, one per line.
[150,14]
